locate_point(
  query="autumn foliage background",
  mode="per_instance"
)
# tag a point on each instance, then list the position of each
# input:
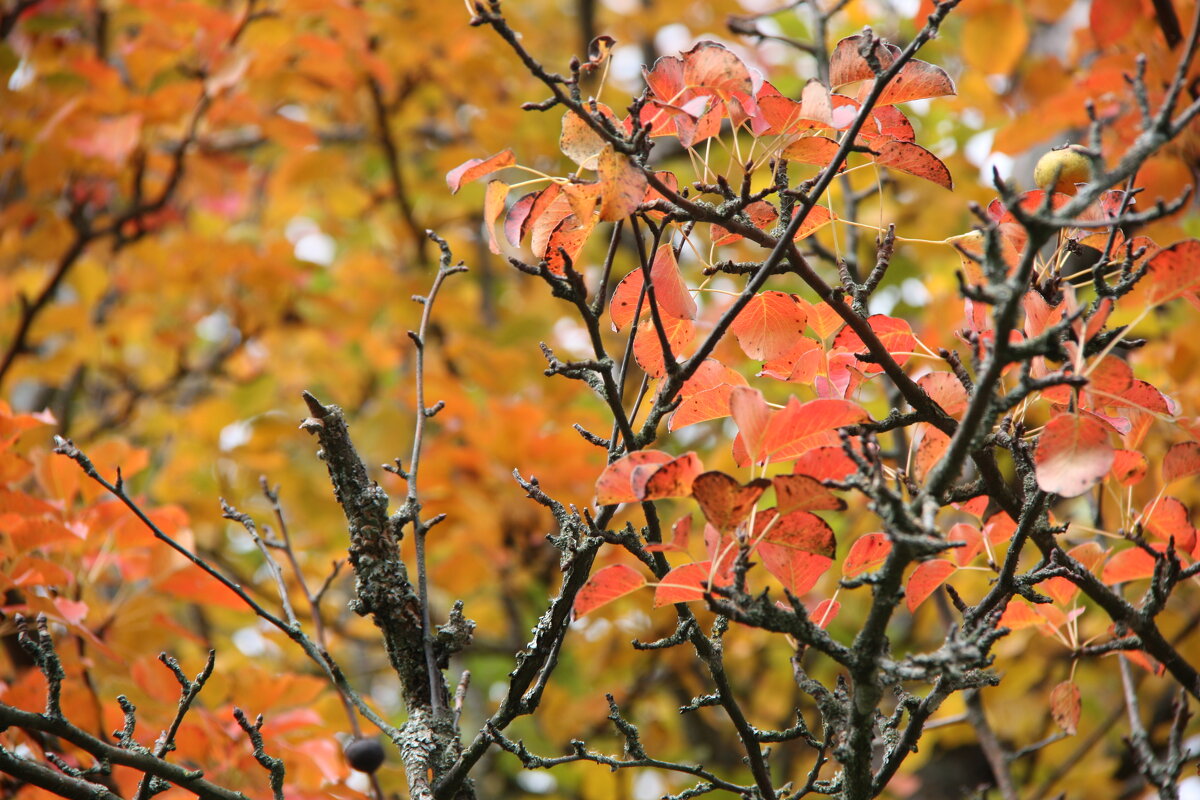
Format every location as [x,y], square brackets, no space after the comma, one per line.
[220,205]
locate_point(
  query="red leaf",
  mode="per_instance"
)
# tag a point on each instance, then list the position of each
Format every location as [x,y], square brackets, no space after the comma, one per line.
[799,365]
[804,493]
[802,426]
[569,237]
[1064,706]
[797,570]
[932,445]
[686,583]
[647,347]
[1168,519]
[673,479]
[928,576]
[867,553]
[1182,461]
[895,334]
[826,463]
[762,215]
[705,394]
[769,325]
[681,532]
[518,213]
[816,150]
[1072,455]
[797,530]
[711,66]
[1129,467]
[607,585]
[971,536]
[824,612]
[670,292]
[913,159]
[918,80]
[476,168]
[846,64]
[797,549]
[1128,565]
[946,390]
[613,485]
[725,502]
[1062,590]
[818,217]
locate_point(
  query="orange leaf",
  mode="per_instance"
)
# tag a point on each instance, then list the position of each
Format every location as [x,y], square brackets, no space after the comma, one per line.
[725,502]
[946,390]
[613,485]
[1062,590]
[917,80]
[1072,455]
[826,463]
[1182,461]
[493,205]
[802,426]
[1169,519]
[684,584]
[797,549]
[1128,565]
[867,553]
[681,532]
[709,65]
[824,612]
[647,347]
[895,334]
[928,576]
[670,292]
[804,493]
[568,238]
[1129,467]
[476,168]
[816,150]
[846,64]
[607,585]
[769,325]
[705,394]
[1173,271]
[797,530]
[971,536]
[672,479]
[1064,706]
[913,159]
[624,184]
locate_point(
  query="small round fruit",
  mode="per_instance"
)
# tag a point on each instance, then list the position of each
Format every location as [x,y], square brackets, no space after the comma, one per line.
[364,755]
[1063,168]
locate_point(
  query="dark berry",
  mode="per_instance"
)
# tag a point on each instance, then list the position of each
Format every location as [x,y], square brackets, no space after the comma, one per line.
[364,755]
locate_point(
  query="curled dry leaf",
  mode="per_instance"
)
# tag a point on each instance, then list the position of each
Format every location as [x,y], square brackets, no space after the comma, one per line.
[1064,706]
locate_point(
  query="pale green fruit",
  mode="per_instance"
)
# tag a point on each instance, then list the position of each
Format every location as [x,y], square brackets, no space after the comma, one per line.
[1063,168]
